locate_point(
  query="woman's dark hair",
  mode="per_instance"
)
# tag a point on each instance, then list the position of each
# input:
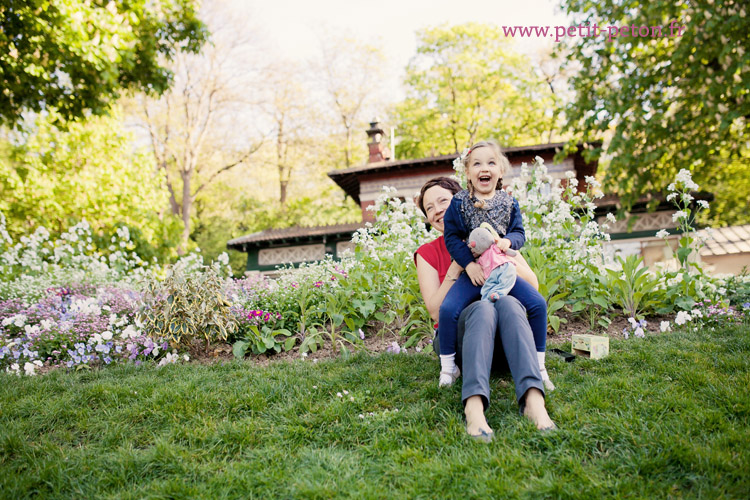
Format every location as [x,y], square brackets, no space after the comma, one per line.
[448,183]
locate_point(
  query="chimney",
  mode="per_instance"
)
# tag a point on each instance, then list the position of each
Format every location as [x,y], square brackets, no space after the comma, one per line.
[375,144]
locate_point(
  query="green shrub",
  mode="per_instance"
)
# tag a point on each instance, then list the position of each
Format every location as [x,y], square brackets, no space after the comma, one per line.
[187,308]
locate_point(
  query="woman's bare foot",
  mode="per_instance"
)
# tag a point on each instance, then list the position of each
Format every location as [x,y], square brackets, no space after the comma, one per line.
[536,411]
[475,421]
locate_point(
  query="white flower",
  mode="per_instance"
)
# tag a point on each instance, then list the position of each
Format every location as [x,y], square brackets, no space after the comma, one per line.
[696,313]
[107,335]
[632,322]
[664,326]
[169,358]
[639,333]
[591,181]
[30,330]
[703,203]
[30,368]
[339,395]
[685,178]
[186,357]
[671,187]
[611,217]
[663,233]
[223,259]
[671,196]
[129,332]
[680,214]
[682,318]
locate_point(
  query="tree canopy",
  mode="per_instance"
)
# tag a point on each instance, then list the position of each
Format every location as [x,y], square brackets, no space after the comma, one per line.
[668,101]
[467,83]
[78,56]
[87,169]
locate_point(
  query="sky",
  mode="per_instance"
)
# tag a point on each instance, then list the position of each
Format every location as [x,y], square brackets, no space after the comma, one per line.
[291,27]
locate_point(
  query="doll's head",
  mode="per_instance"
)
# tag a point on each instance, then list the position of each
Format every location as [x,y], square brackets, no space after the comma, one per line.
[480,240]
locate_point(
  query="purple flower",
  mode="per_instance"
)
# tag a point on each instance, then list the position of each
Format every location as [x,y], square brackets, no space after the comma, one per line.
[318,284]
[746,305]
[393,348]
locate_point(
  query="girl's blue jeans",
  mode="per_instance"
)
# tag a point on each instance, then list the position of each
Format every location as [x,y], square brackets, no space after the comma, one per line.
[464,292]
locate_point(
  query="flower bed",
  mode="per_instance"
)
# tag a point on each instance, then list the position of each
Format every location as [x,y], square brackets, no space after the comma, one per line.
[68,304]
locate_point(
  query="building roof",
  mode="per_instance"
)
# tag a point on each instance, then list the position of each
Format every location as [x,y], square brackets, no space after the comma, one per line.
[348,178]
[725,240]
[293,234]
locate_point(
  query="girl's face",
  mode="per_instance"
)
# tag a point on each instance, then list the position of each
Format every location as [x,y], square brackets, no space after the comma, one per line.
[436,201]
[483,170]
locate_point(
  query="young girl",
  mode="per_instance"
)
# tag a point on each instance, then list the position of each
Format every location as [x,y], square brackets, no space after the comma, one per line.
[484,201]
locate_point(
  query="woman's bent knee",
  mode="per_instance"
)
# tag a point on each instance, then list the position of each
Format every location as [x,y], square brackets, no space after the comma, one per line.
[509,305]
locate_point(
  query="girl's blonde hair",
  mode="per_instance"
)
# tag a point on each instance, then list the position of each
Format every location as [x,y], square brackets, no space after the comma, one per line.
[502,161]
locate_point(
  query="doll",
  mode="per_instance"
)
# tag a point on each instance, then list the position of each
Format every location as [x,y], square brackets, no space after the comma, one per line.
[499,270]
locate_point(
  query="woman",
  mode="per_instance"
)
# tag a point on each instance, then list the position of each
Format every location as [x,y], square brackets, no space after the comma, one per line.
[481,325]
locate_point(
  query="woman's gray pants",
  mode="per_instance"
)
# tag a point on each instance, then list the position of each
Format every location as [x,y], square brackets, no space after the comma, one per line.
[480,326]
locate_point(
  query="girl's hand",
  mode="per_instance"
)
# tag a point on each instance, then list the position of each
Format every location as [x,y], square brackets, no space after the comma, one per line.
[503,244]
[476,274]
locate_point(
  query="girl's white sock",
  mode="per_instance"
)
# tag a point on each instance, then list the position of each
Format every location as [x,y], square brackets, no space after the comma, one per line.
[545,376]
[449,372]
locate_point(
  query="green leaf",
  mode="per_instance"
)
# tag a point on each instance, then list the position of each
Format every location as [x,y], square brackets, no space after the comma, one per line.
[289,343]
[554,322]
[600,301]
[337,319]
[239,349]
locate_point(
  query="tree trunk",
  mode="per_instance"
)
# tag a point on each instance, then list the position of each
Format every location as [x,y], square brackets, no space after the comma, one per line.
[186,202]
[347,155]
[282,198]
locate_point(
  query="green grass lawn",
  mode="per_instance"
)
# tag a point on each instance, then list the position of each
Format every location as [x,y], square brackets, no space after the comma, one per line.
[666,416]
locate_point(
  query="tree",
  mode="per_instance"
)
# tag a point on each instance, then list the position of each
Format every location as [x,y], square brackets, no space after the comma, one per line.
[60,174]
[77,56]
[350,73]
[671,90]
[466,84]
[198,128]
[286,103]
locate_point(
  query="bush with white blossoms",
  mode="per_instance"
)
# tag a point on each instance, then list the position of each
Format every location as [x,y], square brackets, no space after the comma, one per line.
[333,301]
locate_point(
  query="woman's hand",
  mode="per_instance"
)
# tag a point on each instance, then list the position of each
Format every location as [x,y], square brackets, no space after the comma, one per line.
[454,271]
[476,274]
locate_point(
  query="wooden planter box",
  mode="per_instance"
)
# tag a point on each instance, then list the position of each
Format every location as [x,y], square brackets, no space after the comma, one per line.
[590,346]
